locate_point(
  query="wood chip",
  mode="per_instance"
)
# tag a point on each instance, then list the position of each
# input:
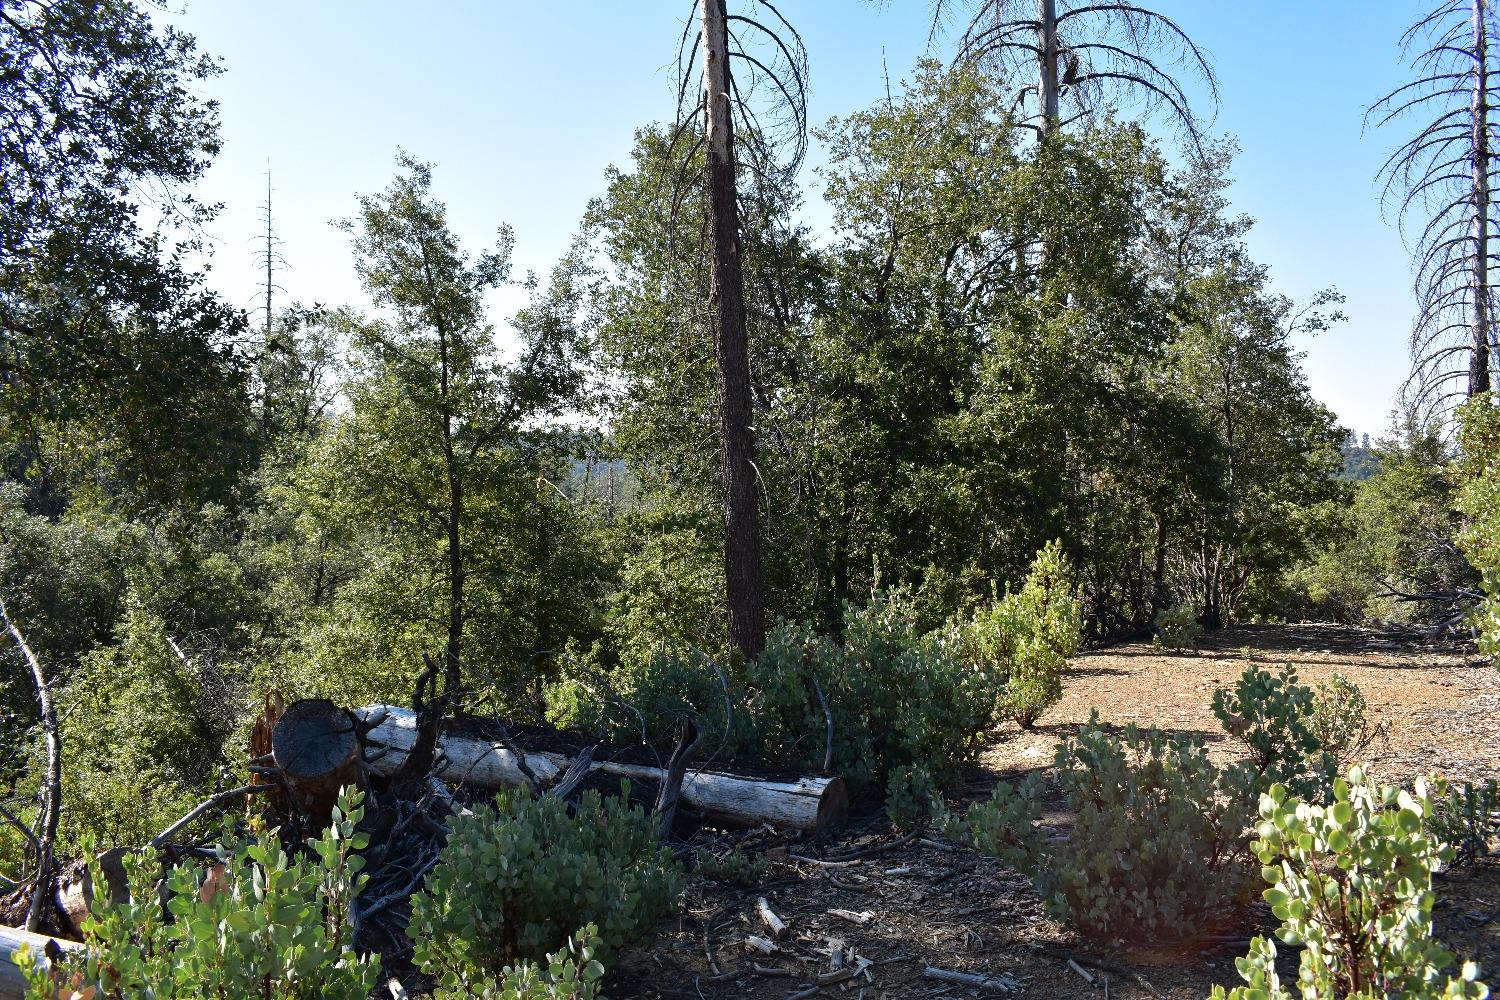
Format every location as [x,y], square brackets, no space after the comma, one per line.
[862,917]
[760,944]
[773,923]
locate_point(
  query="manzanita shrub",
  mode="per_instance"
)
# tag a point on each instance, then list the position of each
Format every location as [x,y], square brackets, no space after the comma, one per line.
[256,924]
[1273,716]
[516,879]
[1341,724]
[571,973]
[1351,883]
[1158,849]
[1018,644]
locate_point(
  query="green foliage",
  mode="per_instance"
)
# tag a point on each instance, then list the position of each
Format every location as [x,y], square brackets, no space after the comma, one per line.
[1467,819]
[1341,725]
[1479,500]
[1273,716]
[912,798]
[1351,882]
[516,879]
[1157,850]
[1018,645]
[735,867]
[898,698]
[1178,628]
[255,925]
[571,973]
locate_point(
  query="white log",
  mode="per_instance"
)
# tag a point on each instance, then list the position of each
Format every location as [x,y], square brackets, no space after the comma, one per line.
[808,803]
[12,983]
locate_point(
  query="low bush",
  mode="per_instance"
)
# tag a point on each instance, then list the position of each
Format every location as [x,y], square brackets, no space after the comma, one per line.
[1467,819]
[1479,502]
[571,973]
[1341,725]
[734,868]
[1178,628]
[912,798]
[256,924]
[1351,882]
[516,879]
[1158,847]
[1273,716]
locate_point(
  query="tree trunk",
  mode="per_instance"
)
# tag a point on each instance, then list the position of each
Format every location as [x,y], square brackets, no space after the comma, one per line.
[1479,352]
[808,803]
[1047,59]
[316,746]
[742,568]
[51,792]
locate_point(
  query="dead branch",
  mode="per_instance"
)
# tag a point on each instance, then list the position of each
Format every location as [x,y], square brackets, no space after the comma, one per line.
[212,802]
[689,744]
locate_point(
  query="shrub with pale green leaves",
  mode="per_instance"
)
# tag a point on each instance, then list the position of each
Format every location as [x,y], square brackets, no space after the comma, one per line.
[570,973]
[1351,883]
[1178,628]
[255,925]
[1158,846]
[735,867]
[517,879]
[1273,716]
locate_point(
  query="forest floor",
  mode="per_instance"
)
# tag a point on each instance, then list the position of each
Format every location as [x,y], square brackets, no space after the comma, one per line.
[909,904]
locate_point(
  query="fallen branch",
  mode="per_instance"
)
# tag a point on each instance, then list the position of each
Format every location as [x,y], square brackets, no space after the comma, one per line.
[768,916]
[998,984]
[165,837]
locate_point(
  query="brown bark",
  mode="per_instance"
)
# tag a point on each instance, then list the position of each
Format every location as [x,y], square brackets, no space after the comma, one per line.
[742,558]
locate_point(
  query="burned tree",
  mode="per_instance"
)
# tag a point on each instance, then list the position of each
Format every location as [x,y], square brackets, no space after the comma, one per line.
[750,122]
[1439,185]
[1083,53]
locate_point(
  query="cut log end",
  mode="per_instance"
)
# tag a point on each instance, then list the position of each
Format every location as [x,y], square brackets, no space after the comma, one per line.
[316,746]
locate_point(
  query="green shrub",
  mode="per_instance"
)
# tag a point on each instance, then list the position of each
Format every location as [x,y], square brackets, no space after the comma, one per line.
[571,973]
[1018,644]
[912,798]
[1273,716]
[256,925]
[515,880]
[1467,818]
[1341,725]
[734,868]
[898,699]
[1157,849]
[1351,882]
[1178,628]
[1479,502]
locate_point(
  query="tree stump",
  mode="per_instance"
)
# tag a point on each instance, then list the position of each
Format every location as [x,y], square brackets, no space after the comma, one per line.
[317,747]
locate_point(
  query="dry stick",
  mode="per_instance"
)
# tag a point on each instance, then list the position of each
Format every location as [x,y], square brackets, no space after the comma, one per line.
[773,923]
[1000,984]
[1102,964]
[52,787]
[165,837]
[25,830]
[828,727]
[689,743]
[577,771]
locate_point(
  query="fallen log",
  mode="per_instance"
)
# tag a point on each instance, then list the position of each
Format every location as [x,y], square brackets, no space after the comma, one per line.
[807,803]
[12,983]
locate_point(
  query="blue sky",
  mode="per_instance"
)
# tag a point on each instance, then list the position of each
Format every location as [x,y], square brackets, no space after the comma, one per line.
[522,105]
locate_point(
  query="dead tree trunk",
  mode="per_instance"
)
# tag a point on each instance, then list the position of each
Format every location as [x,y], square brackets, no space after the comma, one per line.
[1047,60]
[1479,352]
[45,832]
[807,803]
[742,557]
[316,745]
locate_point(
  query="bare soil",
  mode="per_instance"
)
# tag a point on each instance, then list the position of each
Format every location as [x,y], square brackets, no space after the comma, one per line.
[922,903]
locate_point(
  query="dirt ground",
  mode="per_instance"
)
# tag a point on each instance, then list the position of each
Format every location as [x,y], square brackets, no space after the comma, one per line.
[911,904]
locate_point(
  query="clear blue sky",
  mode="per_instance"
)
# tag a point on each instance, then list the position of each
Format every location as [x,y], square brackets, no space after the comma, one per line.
[522,105]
